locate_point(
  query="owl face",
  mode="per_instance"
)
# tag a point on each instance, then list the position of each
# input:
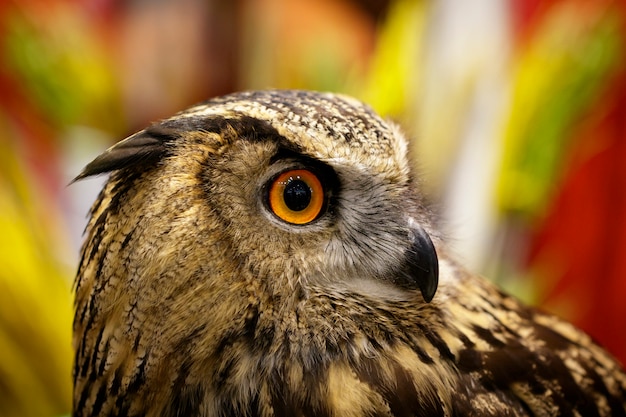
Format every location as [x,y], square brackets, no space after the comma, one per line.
[301,189]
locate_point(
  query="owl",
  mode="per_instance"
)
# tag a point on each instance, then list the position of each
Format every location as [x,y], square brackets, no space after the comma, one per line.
[269,254]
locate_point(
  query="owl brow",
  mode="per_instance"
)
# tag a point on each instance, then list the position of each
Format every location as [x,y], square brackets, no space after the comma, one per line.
[232,127]
[288,151]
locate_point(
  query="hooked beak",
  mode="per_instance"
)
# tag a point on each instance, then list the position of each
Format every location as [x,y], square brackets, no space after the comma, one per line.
[421,265]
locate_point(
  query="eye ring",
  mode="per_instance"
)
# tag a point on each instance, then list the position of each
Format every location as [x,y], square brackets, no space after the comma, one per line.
[296,196]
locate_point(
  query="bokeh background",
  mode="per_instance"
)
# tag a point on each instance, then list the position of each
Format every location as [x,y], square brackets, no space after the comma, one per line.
[516,110]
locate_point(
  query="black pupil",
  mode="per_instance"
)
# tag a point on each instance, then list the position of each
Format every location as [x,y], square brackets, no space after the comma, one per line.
[297,195]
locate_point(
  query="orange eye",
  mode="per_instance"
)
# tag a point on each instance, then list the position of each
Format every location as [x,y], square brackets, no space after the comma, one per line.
[296,196]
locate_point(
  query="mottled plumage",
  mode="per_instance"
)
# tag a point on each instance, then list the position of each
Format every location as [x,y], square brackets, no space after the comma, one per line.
[194,297]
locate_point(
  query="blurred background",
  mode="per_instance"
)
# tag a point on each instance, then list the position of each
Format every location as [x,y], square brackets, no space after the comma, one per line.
[516,110]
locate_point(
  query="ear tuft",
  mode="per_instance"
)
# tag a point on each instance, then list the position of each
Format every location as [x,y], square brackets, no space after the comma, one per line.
[143,147]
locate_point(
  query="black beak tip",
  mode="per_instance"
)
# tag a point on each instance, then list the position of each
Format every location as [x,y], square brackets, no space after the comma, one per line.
[429,285]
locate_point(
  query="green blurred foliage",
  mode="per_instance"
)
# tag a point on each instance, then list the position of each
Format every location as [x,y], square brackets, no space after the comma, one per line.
[61,65]
[558,75]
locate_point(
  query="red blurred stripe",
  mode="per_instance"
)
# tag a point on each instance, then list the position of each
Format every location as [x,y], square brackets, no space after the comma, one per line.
[584,234]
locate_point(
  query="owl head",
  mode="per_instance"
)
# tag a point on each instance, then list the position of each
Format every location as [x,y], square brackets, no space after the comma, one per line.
[299,188]
[239,249]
